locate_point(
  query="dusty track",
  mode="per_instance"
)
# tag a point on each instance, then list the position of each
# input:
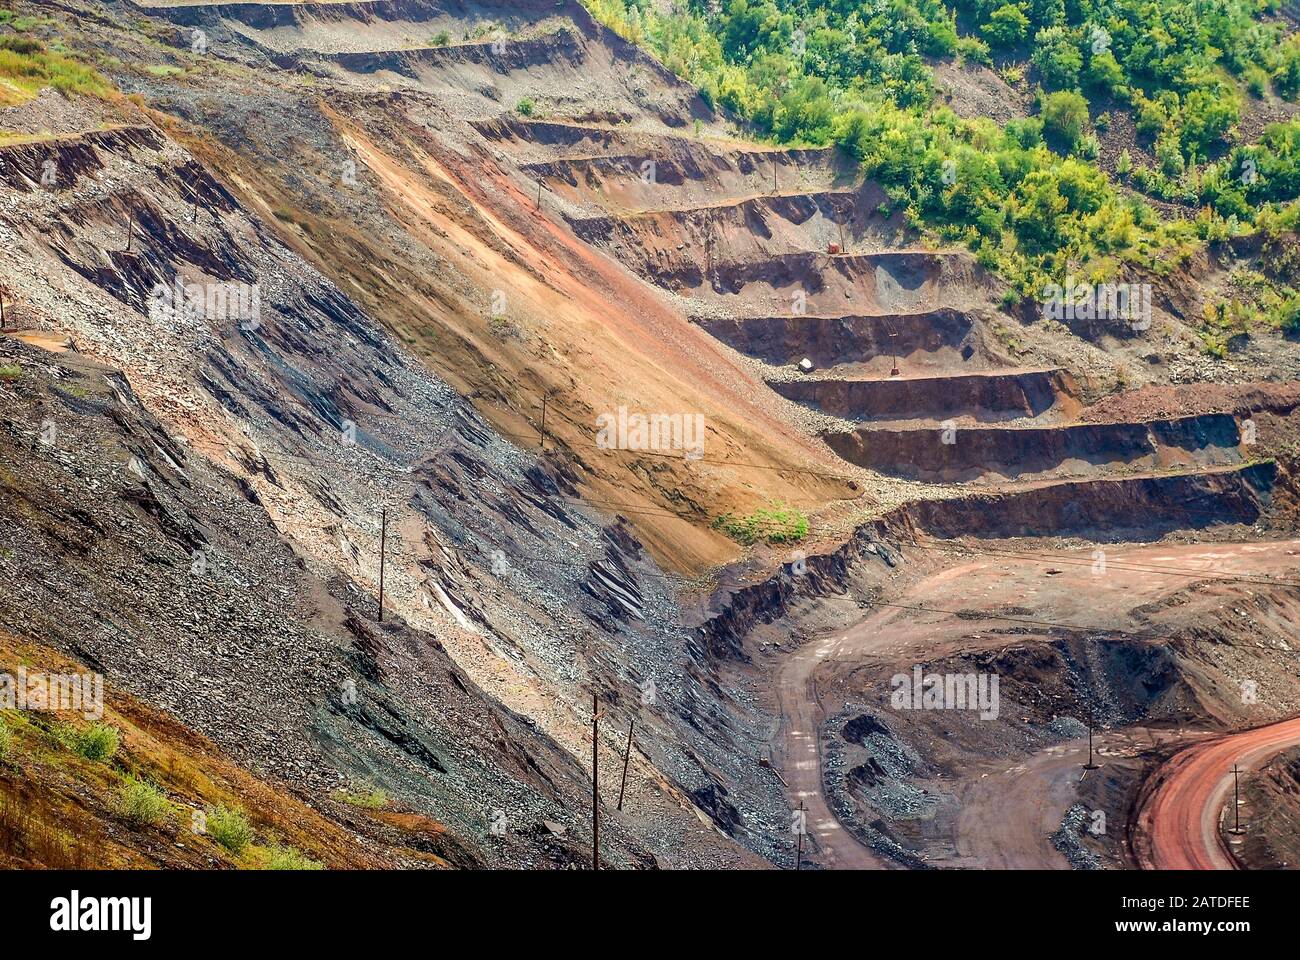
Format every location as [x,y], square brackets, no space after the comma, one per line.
[1007,814]
[1178,824]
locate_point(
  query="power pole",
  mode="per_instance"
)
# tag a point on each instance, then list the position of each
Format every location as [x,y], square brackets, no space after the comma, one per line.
[130,231]
[627,755]
[545,397]
[1090,765]
[383,552]
[1236,803]
[595,783]
[196,204]
[798,855]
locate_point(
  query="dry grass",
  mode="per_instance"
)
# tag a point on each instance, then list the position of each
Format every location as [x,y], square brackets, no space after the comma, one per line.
[60,809]
[27,66]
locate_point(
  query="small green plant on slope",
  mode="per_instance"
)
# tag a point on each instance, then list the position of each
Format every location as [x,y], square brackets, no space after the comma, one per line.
[229,826]
[364,794]
[97,742]
[140,802]
[775,524]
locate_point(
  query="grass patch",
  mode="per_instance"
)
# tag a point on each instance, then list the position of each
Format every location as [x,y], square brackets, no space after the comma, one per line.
[775,524]
[27,66]
[140,802]
[11,372]
[97,742]
[229,826]
[276,857]
[6,741]
[365,795]
[164,70]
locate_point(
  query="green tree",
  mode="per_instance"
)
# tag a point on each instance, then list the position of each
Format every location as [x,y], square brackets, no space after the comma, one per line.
[1065,117]
[1007,26]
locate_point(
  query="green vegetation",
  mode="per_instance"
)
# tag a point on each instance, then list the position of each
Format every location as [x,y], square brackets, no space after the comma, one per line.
[277,857]
[1027,198]
[27,65]
[97,742]
[164,70]
[525,107]
[6,741]
[10,371]
[140,802]
[365,795]
[775,524]
[229,826]
[440,39]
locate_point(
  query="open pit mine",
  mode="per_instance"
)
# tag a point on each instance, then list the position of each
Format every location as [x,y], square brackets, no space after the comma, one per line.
[319,549]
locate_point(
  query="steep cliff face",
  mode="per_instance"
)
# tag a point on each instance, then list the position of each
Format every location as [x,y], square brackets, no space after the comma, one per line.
[199,489]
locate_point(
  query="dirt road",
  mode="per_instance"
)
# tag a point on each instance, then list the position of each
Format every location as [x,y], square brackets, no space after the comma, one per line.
[1005,822]
[1178,825]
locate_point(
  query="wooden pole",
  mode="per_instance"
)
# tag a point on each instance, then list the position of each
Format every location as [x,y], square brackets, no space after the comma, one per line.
[544,399]
[383,552]
[130,231]
[1236,803]
[798,856]
[595,783]
[627,755]
[1090,765]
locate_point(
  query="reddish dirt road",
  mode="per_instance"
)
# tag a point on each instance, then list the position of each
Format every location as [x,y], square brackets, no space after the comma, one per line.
[1178,825]
[1006,820]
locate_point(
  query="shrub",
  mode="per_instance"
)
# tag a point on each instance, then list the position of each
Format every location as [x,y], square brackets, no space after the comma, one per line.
[441,39]
[363,794]
[6,741]
[525,107]
[141,802]
[229,826]
[97,742]
[1287,317]
[774,524]
[1007,26]
[10,371]
[1065,115]
[276,857]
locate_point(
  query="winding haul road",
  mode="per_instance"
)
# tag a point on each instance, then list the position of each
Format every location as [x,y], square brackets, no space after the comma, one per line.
[1178,825]
[1007,815]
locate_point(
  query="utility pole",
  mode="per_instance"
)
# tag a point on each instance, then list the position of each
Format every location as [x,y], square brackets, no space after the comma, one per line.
[1236,803]
[1090,765]
[708,247]
[383,552]
[545,397]
[595,782]
[196,203]
[775,188]
[798,855]
[627,755]
[130,231]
